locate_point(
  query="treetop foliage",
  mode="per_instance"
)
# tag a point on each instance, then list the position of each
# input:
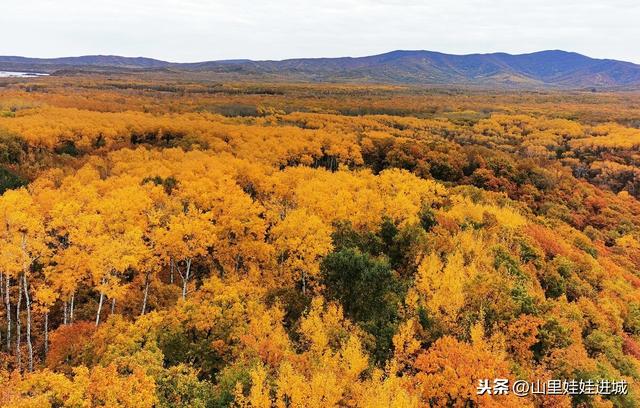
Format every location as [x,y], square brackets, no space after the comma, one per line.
[185,244]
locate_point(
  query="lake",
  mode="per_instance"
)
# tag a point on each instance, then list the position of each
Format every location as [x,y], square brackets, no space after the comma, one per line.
[10,74]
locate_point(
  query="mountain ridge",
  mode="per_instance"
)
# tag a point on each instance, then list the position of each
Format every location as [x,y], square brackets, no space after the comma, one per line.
[549,68]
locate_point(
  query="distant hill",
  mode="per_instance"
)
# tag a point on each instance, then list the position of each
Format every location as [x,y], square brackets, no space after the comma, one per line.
[48,65]
[541,69]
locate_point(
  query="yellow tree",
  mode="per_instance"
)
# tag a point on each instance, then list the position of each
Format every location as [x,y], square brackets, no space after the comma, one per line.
[45,297]
[69,269]
[99,226]
[240,232]
[96,387]
[24,243]
[443,285]
[67,202]
[448,374]
[327,373]
[185,237]
[301,240]
[117,241]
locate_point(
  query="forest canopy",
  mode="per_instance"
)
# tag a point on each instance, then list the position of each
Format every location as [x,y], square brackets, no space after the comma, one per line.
[176,243]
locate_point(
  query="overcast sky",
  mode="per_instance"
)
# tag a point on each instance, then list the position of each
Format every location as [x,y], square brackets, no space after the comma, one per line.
[196,30]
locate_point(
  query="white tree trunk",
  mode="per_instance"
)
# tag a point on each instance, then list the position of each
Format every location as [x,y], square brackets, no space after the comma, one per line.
[18,327]
[99,308]
[73,298]
[185,279]
[146,293]
[304,283]
[1,294]
[46,334]
[7,304]
[28,304]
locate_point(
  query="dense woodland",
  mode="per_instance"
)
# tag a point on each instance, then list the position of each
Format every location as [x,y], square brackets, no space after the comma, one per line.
[175,243]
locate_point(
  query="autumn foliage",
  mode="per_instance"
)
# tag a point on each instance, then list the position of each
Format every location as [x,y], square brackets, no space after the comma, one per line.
[170,243]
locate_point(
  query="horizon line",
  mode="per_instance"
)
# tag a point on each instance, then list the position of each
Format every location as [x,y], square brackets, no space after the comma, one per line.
[317,57]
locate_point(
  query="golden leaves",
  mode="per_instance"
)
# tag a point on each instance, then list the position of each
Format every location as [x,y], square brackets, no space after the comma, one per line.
[301,240]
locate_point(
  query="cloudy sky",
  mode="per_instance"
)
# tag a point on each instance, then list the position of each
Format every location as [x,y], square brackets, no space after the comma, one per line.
[195,30]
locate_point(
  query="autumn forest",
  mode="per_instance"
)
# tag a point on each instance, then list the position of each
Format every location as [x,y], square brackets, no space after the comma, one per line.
[174,242]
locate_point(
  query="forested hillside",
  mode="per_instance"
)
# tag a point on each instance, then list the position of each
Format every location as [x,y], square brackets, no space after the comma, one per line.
[544,69]
[191,244]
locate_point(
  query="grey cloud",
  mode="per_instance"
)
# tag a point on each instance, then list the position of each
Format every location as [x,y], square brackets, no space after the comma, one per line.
[191,30]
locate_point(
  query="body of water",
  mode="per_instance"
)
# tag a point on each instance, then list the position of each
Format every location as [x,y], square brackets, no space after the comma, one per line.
[10,74]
